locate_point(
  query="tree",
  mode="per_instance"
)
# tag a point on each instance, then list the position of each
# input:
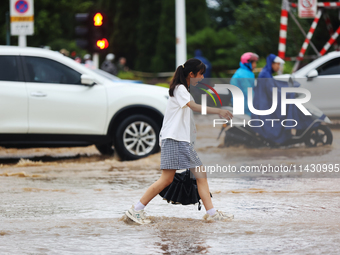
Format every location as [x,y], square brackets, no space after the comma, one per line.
[165,55]
[197,17]
[123,40]
[222,13]
[217,46]
[147,31]
[257,26]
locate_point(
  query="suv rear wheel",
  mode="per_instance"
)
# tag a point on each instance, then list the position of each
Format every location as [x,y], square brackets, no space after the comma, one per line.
[137,137]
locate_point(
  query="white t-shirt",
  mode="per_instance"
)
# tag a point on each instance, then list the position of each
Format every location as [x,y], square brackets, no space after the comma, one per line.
[178,122]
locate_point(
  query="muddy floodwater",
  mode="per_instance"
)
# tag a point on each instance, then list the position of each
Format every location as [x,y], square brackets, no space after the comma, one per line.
[72,201]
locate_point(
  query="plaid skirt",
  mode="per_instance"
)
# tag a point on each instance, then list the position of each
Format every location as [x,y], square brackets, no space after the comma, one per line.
[178,155]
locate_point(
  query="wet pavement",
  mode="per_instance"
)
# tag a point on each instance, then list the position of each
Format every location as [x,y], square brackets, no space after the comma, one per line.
[72,201]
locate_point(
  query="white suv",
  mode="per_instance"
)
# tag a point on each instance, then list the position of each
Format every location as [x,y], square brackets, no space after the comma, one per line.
[47,99]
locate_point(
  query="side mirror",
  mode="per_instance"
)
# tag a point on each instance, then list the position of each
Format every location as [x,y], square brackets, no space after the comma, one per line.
[312,74]
[87,80]
[290,82]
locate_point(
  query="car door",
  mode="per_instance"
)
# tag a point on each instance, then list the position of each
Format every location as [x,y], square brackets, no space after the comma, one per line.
[59,103]
[13,96]
[325,88]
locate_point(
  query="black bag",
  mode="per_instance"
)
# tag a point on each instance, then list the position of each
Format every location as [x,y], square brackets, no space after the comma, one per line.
[182,190]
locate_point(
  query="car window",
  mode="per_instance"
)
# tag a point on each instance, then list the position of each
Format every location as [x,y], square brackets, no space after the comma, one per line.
[50,71]
[9,70]
[330,68]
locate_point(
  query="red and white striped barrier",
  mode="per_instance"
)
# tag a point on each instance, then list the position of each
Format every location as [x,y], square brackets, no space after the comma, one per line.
[325,4]
[329,4]
[330,42]
[283,33]
[310,34]
[283,30]
[330,29]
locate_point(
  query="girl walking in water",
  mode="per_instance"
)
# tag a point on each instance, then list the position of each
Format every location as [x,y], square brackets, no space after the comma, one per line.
[177,152]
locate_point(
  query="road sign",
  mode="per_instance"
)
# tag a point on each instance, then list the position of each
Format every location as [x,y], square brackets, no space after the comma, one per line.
[307,8]
[22,17]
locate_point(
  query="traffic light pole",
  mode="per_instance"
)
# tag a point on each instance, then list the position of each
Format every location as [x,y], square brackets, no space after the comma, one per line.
[95,60]
[8,31]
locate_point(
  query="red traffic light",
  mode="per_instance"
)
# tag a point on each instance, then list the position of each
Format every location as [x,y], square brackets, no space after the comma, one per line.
[98,19]
[102,44]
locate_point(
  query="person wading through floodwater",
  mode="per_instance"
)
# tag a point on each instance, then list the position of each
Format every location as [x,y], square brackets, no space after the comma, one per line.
[177,152]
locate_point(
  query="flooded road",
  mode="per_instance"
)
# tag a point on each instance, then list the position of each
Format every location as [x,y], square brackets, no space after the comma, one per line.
[72,201]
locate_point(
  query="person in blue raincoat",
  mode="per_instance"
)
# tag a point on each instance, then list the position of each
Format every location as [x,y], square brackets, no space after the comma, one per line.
[274,131]
[199,56]
[244,77]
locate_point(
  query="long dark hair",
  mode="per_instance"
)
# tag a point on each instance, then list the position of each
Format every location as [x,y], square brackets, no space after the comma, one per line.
[192,65]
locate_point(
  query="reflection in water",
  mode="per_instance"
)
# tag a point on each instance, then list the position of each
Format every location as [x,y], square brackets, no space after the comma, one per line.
[78,154]
[189,235]
[177,235]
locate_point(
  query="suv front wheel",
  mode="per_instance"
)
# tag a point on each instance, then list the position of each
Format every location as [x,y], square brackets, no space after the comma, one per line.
[136,137]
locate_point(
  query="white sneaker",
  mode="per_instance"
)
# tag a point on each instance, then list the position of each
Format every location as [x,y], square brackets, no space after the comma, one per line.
[137,216]
[218,216]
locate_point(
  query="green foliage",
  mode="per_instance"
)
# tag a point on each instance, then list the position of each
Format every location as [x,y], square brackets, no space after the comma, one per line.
[127,75]
[123,15]
[4,7]
[196,15]
[257,26]
[222,15]
[164,59]
[261,63]
[288,67]
[147,28]
[165,85]
[217,46]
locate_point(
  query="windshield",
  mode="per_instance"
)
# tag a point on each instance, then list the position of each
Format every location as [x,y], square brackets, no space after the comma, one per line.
[106,75]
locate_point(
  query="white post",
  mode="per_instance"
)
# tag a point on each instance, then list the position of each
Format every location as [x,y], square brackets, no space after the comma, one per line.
[181,39]
[96,60]
[22,41]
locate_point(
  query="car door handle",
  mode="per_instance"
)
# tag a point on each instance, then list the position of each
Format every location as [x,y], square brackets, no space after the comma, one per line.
[38,94]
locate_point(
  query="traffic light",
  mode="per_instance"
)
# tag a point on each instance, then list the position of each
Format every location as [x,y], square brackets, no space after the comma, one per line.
[98,19]
[92,31]
[100,31]
[82,31]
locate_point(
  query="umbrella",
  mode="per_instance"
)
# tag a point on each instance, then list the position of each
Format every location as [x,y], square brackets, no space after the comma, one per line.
[182,190]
